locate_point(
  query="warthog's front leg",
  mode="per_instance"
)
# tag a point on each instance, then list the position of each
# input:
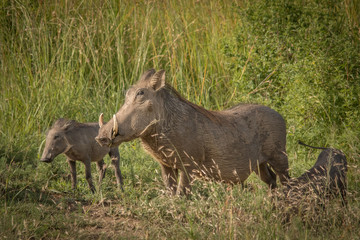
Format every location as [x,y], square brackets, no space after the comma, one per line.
[184,183]
[88,175]
[115,162]
[102,169]
[72,165]
[169,176]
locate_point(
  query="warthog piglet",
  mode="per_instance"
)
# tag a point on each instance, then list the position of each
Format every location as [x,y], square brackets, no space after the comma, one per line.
[77,141]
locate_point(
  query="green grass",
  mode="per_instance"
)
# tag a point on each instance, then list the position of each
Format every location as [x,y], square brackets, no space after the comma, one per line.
[75,59]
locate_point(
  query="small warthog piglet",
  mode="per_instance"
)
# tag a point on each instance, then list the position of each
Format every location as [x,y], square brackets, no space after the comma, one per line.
[77,141]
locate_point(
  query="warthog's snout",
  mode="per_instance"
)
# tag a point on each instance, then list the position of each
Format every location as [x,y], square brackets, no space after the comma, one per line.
[108,139]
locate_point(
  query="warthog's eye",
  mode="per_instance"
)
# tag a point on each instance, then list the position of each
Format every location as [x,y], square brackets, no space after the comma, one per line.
[56,136]
[140,92]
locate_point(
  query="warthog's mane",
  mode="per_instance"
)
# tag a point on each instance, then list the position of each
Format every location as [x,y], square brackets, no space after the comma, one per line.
[171,91]
[63,124]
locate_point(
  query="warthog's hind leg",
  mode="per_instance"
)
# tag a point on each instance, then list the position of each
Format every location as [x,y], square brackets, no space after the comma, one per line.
[266,175]
[280,165]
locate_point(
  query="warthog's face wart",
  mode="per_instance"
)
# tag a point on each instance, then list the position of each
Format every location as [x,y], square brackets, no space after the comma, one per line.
[138,115]
[55,144]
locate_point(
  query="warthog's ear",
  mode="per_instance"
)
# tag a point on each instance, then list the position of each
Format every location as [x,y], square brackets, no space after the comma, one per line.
[147,75]
[158,80]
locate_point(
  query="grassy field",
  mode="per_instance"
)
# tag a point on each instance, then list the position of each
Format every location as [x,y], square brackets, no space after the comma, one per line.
[75,59]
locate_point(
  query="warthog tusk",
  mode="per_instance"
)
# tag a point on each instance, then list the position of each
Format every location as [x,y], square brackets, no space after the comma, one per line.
[115,127]
[101,120]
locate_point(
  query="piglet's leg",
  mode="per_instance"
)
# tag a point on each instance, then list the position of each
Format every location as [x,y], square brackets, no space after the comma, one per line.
[72,165]
[88,175]
[102,169]
[115,161]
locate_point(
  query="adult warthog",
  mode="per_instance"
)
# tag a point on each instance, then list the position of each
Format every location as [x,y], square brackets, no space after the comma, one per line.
[77,141]
[189,141]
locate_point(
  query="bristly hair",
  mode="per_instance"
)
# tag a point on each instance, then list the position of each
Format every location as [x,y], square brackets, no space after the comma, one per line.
[207,113]
[63,123]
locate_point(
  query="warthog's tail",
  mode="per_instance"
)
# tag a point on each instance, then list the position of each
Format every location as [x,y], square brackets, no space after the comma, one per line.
[302,143]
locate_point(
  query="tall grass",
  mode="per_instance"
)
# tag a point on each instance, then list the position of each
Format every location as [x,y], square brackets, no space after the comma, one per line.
[74,59]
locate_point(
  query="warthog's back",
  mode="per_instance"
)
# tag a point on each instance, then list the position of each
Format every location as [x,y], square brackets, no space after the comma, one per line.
[242,138]
[224,145]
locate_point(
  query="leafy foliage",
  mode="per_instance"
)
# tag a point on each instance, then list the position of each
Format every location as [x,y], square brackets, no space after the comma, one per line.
[304,59]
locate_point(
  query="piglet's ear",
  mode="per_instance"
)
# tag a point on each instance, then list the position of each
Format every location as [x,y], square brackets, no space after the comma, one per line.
[69,125]
[158,80]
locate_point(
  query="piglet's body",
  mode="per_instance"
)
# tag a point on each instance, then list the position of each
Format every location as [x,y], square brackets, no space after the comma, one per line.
[77,141]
